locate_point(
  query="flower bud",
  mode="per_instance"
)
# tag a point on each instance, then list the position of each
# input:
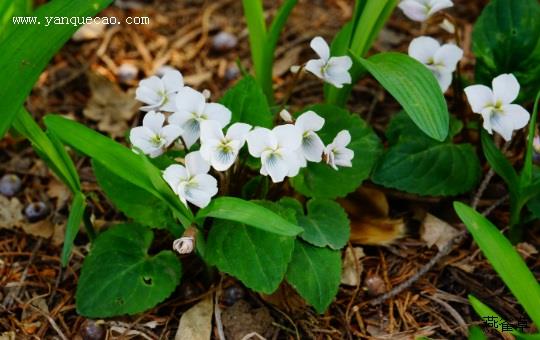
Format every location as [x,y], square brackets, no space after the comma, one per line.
[286,116]
[294,69]
[186,243]
[206,93]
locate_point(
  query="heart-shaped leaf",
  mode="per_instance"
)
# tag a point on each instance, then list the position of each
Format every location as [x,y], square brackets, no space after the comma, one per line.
[119,277]
[315,273]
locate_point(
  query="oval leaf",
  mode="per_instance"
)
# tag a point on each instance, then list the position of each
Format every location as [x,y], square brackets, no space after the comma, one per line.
[319,179]
[415,88]
[119,277]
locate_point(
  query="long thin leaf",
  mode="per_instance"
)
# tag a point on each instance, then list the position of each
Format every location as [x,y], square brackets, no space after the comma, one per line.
[504,259]
[249,213]
[526,175]
[50,150]
[28,49]
[499,162]
[73,224]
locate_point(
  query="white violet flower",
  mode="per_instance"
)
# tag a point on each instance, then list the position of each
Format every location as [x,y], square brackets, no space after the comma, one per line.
[158,93]
[152,138]
[221,150]
[421,10]
[496,107]
[337,152]
[191,182]
[312,146]
[441,60]
[192,109]
[277,149]
[333,70]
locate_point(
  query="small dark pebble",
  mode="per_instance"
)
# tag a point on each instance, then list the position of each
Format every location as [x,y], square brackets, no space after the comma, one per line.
[91,330]
[127,72]
[224,41]
[10,185]
[232,294]
[36,211]
[232,72]
[375,285]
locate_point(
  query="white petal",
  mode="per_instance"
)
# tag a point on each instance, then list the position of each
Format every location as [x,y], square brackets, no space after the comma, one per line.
[238,131]
[169,103]
[154,121]
[479,96]
[342,139]
[173,174]
[319,45]
[149,91]
[208,148]
[423,49]
[171,133]
[437,5]
[201,193]
[260,139]
[486,116]
[210,129]
[222,161]
[448,55]
[502,125]
[312,147]
[288,136]
[196,164]
[337,78]
[505,88]
[172,81]
[180,118]
[316,66]
[218,112]
[344,157]
[517,115]
[310,121]
[275,165]
[295,161]
[343,63]
[190,100]
[140,137]
[444,79]
[191,132]
[413,10]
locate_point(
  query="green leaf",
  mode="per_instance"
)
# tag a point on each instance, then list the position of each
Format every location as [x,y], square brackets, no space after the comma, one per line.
[498,161]
[28,49]
[504,258]
[119,277]
[252,214]
[476,333]
[118,159]
[257,258]
[315,273]
[427,167]
[248,103]
[10,9]
[326,224]
[415,88]
[319,179]
[506,39]
[484,310]
[72,226]
[49,149]
[136,203]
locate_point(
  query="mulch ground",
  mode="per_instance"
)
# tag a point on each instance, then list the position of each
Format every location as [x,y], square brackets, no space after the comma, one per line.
[37,295]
